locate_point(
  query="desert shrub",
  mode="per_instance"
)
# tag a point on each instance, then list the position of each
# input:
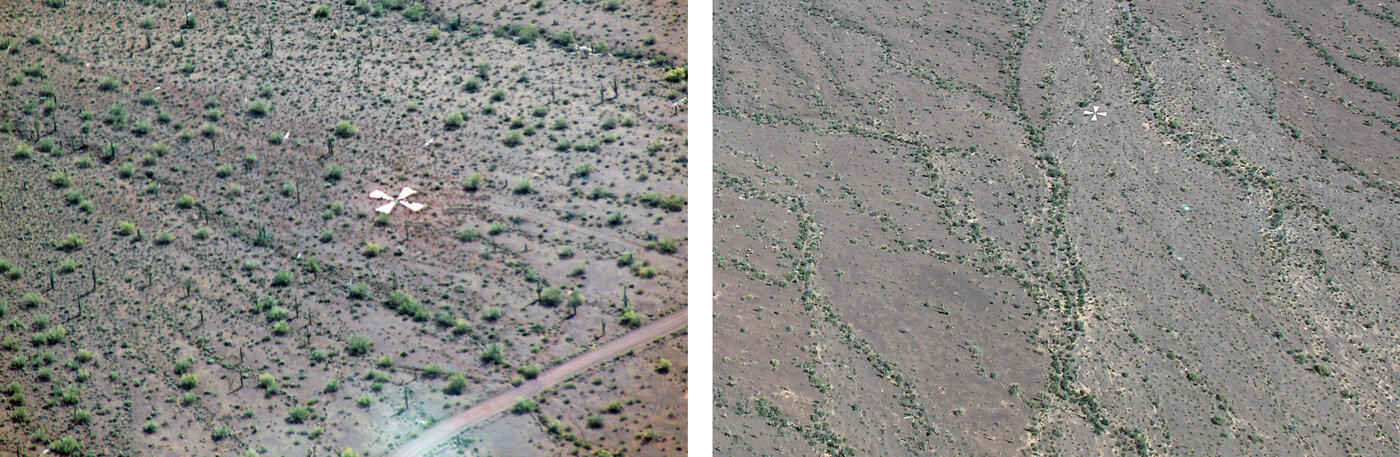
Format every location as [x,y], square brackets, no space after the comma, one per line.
[23,151]
[300,414]
[334,172]
[473,85]
[530,371]
[405,304]
[141,127]
[259,108]
[663,366]
[522,33]
[189,381]
[31,300]
[454,121]
[321,12]
[108,84]
[20,415]
[551,297]
[493,354]
[185,201]
[456,385]
[282,278]
[626,259]
[150,428]
[415,13]
[664,245]
[345,129]
[675,75]
[468,235]
[595,421]
[359,345]
[525,406]
[60,179]
[670,203]
[183,366]
[474,182]
[364,401]
[525,187]
[116,116]
[513,139]
[359,291]
[630,319]
[371,249]
[563,39]
[71,242]
[266,381]
[66,446]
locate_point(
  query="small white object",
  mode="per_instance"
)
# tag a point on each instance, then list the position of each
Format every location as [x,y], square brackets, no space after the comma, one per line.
[1095,113]
[393,201]
[1185,208]
[430,141]
[286,135]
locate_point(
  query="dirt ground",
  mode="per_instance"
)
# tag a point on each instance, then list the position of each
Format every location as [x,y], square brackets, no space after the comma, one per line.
[925,247]
[193,265]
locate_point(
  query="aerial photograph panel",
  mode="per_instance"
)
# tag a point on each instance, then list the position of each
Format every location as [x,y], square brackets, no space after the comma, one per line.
[343,228]
[1056,228]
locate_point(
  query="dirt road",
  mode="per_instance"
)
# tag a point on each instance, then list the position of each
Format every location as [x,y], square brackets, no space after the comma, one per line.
[447,428]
